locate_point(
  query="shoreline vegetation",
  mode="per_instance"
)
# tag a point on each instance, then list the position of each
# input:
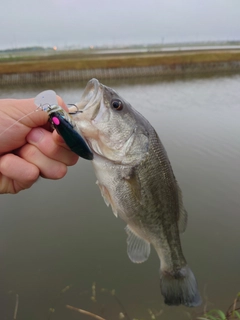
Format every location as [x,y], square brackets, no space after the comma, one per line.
[44,65]
[102,299]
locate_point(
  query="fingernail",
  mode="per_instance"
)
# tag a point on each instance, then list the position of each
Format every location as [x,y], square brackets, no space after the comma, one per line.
[35,135]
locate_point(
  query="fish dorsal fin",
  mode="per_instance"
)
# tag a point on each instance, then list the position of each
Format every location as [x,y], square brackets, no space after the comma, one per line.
[138,249]
[183,216]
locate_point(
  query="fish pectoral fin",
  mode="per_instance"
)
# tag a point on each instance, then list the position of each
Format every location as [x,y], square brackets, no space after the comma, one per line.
[107,197]
[104,193]
[183,216]
[138,249]
[134,183]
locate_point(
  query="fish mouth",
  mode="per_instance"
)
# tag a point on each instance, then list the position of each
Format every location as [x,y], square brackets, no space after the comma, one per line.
[91,97]
[88,109]
[86,106]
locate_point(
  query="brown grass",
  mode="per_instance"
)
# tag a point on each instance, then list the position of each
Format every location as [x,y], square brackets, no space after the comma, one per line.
[78,61]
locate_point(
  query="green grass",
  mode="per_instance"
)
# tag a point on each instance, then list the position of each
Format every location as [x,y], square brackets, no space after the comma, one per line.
[80,61]
[233,312]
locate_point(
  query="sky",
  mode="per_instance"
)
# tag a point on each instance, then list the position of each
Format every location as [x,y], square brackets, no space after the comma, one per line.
[84,23]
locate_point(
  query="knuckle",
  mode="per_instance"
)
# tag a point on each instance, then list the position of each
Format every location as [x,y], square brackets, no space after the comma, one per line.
[73,159]
[29,152]
[58,171]
[61,172]
[5,162]
[31,175]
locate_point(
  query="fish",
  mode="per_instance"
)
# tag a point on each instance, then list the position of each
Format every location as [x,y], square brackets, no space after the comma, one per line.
[136,179]
[63,123]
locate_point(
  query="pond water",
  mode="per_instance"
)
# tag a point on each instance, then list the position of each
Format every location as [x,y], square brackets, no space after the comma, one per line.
[60,233]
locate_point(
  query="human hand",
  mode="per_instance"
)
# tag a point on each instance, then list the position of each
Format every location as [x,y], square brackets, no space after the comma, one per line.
[28,148]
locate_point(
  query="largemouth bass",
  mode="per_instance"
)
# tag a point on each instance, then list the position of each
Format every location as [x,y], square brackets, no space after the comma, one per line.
[136,178]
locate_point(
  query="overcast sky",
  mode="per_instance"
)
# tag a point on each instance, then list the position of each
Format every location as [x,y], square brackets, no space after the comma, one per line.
[99,22]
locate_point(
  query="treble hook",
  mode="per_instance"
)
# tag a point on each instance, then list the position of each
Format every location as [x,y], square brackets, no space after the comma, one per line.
[70,109]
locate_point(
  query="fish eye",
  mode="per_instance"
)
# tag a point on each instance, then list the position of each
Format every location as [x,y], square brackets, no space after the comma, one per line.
[117,104]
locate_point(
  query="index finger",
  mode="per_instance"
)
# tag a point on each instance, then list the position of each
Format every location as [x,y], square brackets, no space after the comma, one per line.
[17,118]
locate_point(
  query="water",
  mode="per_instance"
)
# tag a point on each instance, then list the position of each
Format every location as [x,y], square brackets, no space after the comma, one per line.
[60,233]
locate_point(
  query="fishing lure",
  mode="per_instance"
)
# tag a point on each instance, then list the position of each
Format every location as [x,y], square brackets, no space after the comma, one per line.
[63,123]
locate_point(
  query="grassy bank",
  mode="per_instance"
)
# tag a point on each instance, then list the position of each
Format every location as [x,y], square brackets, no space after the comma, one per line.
[79,61]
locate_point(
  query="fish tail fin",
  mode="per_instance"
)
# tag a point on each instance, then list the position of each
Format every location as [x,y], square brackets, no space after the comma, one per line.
[180,287]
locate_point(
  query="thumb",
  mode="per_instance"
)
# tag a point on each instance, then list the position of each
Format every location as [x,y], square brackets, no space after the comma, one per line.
[22,111]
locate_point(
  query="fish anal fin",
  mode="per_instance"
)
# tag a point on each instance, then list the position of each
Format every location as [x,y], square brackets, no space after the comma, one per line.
[107,197]
[138,249]
[183,216]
